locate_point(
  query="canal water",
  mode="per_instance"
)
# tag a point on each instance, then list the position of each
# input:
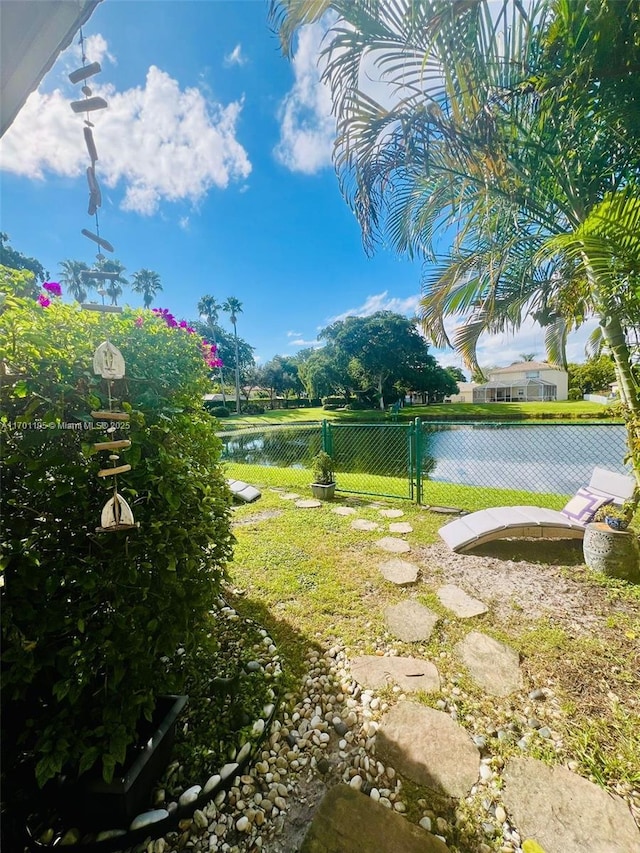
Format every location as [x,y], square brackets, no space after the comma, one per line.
[537,458]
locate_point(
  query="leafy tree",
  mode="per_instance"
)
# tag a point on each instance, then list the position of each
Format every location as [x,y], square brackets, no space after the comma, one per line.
[517,123]
[146,282]
[71,277]
[10,257]
[321,376]
[383,350]
[19,282]
[456,373]
[209,311]
[233,307]
[595,375]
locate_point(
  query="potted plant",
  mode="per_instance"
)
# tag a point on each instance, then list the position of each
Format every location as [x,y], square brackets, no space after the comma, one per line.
[616,517]
[324,485]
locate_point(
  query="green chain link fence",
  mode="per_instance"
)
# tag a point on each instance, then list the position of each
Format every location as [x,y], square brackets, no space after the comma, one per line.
[440,464]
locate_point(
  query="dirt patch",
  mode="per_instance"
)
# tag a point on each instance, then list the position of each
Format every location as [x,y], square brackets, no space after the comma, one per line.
[535,579]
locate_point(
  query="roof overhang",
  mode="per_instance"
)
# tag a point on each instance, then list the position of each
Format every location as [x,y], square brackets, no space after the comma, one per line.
[32,36]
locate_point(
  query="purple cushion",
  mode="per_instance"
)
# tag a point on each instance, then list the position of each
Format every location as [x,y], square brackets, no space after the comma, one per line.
[584,505]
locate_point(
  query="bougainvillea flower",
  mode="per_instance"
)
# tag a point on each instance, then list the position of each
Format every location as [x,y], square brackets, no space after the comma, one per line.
[43,301]
[139,321]
[53,287]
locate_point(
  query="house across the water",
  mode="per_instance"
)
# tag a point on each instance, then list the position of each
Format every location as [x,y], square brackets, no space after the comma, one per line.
[524,382]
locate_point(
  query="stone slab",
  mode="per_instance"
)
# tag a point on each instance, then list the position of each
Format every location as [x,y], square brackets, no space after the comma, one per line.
[410,621]
[348,821]
[399,571]
[429,748]
[458,601]
[308,503]
[391,513]
[566,813]
[393,545]
[364,524]
[289,496]
[401,527]
[344,510]
[493,665]
[410,674]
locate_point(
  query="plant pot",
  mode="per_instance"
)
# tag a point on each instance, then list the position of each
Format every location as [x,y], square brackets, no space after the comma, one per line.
[613,552]
[94,803]
[323,492]
[616,523]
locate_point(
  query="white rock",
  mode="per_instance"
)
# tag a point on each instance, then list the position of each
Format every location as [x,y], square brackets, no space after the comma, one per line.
[356,782]
[501,814]
[425,823]
[243,824]
[147,818]
[227,770]
[190,795]
[244,751]
[258,727]
[211,783]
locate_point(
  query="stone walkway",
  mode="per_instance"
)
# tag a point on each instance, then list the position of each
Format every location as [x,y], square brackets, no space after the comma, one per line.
[548,810]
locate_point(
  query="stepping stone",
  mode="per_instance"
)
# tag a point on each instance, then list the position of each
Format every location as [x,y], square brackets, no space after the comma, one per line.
[400,571]
[289,496]
[429,748]
[344,510]
[410,621]
[308,503]
[256,517]
[394,546]
[410,674]
[350,822]
[566,813]
[391,513]
[401,527]
[457,600]
[364,524]
[492,665]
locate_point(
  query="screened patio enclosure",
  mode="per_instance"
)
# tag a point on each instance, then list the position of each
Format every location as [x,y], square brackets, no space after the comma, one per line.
[522,391]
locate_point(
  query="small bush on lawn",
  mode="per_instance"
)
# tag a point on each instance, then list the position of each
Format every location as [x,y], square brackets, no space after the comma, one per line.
[87,617]
[219,412]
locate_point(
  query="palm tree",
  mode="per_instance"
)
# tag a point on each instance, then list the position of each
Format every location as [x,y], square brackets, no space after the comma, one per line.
[114,286]
[486,102]
[146,282]
[71,277]
[233,307]
[209,308]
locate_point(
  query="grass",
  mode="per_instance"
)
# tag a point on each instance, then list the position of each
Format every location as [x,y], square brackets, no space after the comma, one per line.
[312,581]
[569,410]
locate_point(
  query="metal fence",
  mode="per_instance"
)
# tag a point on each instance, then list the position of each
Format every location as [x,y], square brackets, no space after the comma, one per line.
[447,464]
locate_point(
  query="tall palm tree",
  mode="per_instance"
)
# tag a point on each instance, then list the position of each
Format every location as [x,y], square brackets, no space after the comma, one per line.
[494,119]
[146,282]
[233,307]
[72,279]
[209,309]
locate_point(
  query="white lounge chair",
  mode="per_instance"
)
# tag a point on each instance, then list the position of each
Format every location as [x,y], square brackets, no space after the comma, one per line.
[506,522]
[243,491]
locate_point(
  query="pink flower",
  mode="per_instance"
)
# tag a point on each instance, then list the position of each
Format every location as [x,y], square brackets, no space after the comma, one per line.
[183,324]
[139,321]
[190,331]
[43,301]
[53,287]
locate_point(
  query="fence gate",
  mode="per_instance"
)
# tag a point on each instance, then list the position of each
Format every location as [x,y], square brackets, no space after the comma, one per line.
[375,459]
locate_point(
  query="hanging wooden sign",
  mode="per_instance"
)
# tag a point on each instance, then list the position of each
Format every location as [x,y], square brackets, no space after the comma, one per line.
[108,361]
[110,472]
[110,416]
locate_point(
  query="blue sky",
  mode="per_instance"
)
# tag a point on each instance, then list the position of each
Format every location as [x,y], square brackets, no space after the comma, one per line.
[215,169]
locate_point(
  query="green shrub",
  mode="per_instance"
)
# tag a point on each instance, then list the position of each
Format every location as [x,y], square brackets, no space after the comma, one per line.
[333,402]
[88,618]
[219,412]
[575,394]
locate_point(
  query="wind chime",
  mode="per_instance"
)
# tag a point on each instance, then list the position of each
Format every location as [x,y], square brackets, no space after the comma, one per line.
[107,359]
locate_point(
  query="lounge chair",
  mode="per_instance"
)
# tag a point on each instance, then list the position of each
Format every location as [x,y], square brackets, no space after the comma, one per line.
[243,491]
[506,522]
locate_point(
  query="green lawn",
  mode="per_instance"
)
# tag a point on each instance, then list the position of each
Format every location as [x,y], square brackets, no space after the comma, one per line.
[568,410]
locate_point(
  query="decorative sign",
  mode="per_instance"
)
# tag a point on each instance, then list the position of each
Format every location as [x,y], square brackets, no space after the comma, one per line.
[108,361]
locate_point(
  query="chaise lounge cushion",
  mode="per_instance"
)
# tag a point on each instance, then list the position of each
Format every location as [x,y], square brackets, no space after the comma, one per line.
[584,505]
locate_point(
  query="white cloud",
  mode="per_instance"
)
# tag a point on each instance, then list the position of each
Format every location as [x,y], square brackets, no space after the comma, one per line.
[380,302]
[294,334]
[183,223]
[505,348]
[300,342]
[236,57]
[161,142]
[307,128]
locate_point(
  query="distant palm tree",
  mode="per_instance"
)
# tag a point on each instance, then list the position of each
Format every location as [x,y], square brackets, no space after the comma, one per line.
[528,356]
[72,279]
[233,307]
[146,282]
[114,287]
[209,308]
